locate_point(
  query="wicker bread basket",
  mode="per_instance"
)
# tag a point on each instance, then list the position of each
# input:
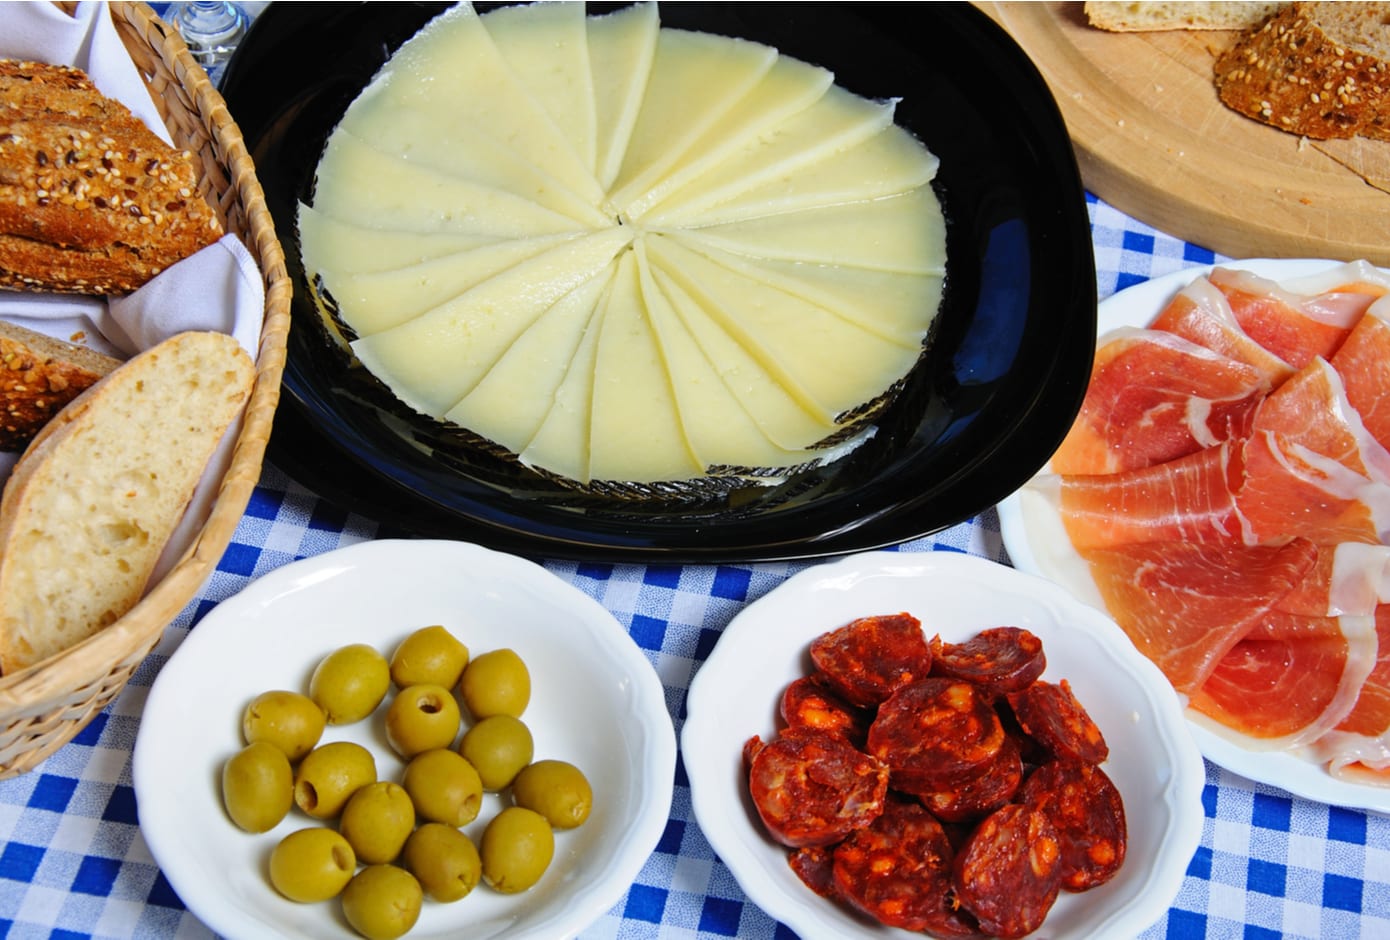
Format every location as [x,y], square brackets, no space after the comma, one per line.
[44,706]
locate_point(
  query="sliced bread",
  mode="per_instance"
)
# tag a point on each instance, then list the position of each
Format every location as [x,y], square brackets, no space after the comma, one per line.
[38,376]
[1137,17]
[90,505]
[1320,70]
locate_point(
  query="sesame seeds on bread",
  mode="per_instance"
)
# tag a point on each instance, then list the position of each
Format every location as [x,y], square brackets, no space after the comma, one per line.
[38,376]
[91,504]
[1320,70]
[91,200]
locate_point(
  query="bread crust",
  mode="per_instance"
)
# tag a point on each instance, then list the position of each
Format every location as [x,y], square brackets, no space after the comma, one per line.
[91,200]
[1289,73]
[39,375]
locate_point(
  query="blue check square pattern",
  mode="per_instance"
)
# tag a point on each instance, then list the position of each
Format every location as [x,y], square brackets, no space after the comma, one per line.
[73,863]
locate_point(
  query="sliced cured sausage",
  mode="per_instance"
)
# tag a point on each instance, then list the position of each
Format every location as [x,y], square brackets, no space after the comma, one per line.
[810,702]
[867,659]
[815,866]
[982,794]
[935,734]
[999,660]
[1009,872]
[898,871]
[1085,808]
[814,788]
[1052,716]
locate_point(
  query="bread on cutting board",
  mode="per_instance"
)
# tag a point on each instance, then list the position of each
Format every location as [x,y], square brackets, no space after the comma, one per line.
[38,376]
[1130,16]
[90,505]
[1320,70]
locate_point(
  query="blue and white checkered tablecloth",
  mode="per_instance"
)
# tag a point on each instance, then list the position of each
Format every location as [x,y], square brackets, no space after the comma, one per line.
[73,863]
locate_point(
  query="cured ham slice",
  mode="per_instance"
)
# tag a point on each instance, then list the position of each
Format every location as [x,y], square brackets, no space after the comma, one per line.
[1185,605]
[1154,397]
[1290,679]
[1359,747]
[1352,578]
[1363,362]
[1296,328]
[1199,312]
[1190,499]
[1312,408]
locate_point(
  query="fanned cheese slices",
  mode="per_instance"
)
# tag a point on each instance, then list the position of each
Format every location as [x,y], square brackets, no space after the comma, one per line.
[626,253]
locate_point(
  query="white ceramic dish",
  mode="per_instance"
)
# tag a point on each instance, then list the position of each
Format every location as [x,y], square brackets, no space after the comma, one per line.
[1036,543]
[1153,760]
[596,702]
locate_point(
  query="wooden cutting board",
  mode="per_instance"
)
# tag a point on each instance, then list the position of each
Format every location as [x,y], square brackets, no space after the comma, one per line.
[1153,140]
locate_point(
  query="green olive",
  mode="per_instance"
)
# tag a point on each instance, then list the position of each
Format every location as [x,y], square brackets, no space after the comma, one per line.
[329,775]
[496,683]
[310,865]
[421,718]
[444,787]
[516,849]
[444,861]
[291,721]
[377,820]
[350,682]
[498,747]
[429,656]
[382,902]
[557,790]
[258,786]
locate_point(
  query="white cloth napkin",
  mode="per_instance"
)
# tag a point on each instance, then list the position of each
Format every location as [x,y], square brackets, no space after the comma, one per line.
[219,288]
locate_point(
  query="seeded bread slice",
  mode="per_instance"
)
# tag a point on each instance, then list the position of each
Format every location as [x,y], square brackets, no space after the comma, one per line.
[1133,16]
[90,505]
[1320,70]
[38,376]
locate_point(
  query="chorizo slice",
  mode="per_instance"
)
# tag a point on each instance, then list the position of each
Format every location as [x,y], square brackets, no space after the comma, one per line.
[815,866]
[999,659]
[865,660]
[1051,715]
[810,702]
[897,870]
[936,733]
[1086,808]
[1008,873]
[813,788]
[983,793]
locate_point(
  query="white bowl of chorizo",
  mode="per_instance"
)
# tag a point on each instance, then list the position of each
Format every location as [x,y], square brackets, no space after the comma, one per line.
[939,743]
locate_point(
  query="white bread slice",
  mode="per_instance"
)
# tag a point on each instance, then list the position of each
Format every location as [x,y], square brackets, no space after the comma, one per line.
[1133,16]
[90,505]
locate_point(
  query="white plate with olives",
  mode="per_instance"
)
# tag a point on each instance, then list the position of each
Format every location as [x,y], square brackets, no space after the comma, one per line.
[595,704]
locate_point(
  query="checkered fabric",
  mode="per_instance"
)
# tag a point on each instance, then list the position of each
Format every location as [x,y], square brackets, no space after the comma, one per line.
[73,863]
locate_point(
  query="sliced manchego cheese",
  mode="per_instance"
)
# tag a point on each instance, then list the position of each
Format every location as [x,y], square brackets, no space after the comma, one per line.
[903,233]
[789,86]
[621,48]
[432,361]
[453,68]
[837,121]
[380,300]
[820,359]
[511,401]
[360,184]
[329,244]
[684,98]
[635,427]
[546,46]
[717,429]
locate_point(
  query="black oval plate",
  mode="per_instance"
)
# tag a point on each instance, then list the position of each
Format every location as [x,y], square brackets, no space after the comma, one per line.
[986,408]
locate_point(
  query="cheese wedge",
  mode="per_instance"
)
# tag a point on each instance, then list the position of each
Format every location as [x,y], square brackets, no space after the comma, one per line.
[622,46]
[329,244]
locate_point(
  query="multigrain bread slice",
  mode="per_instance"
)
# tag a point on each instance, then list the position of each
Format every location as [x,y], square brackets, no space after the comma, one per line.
[38,376]
[1131,16]
[91,200]
[90,505]
[1320,70]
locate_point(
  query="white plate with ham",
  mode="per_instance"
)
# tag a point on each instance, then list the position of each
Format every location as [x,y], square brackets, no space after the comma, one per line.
[1225,496]
[737,694]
